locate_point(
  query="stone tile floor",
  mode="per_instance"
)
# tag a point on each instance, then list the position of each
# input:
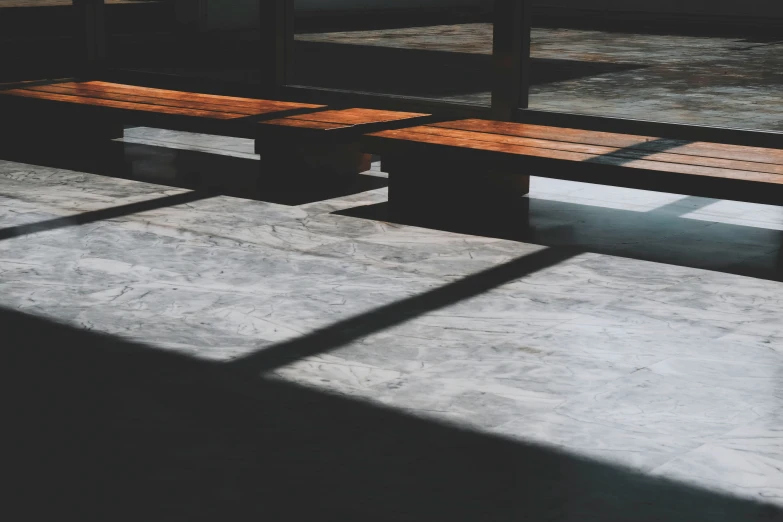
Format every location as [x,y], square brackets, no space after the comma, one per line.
[703,80]
[611,355]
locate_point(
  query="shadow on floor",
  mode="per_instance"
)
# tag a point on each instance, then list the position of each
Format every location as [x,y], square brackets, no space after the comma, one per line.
[662,235]
[104,429]
[204,172]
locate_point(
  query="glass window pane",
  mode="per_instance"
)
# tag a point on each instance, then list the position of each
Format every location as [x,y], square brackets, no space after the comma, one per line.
[693,62]
[36,39]
[214,41]
[439,50]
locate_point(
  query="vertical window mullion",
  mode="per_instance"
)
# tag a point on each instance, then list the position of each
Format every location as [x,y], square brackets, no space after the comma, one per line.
[510,58]
[277,33]
[90,35]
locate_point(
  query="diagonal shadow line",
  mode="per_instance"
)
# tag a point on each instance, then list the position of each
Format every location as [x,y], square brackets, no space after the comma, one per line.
[103,214]
[643,150]
[125,414]
[349,330]
[637,152]
[683,206]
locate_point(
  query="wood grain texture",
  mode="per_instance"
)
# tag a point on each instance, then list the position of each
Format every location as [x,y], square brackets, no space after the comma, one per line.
[184,103]
[127,106]
[715,150]
[358,116]
[211,98]
[618,154]
[455,145]
[302,124]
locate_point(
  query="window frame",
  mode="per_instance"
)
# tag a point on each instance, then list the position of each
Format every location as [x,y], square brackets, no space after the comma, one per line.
[510,83]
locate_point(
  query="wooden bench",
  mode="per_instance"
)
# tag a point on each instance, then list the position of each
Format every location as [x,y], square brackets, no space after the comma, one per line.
[86,111]
[326,143]
[465,163]
[299,139]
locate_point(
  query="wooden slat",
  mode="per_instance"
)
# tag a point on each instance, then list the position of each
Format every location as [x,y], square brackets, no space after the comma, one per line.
[132,98]
[714,150]
[358,116]
[111,104]
[619,153]
[518,150]
[303,124]
[262,105]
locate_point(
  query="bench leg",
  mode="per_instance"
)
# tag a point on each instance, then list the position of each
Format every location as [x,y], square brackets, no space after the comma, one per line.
[433,186]
[304,166]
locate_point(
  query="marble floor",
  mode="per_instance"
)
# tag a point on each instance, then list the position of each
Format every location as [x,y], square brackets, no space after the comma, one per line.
[182,346]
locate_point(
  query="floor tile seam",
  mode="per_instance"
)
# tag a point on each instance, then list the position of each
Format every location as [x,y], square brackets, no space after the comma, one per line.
[94,193]
[715,442]
[650,298]
[201,235]
[657,469]
[367,261]
[394,230]
[197,214]
[720,319]
[57,205]
[732,360]
[59,211]
[706,272]
[201,243]
[744,395]
[248,222]
[434,256]
[775,415]
[275,254]
[229,292]
[596,284]
[309,220]
[153,281]
[33,188]
[47,177]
